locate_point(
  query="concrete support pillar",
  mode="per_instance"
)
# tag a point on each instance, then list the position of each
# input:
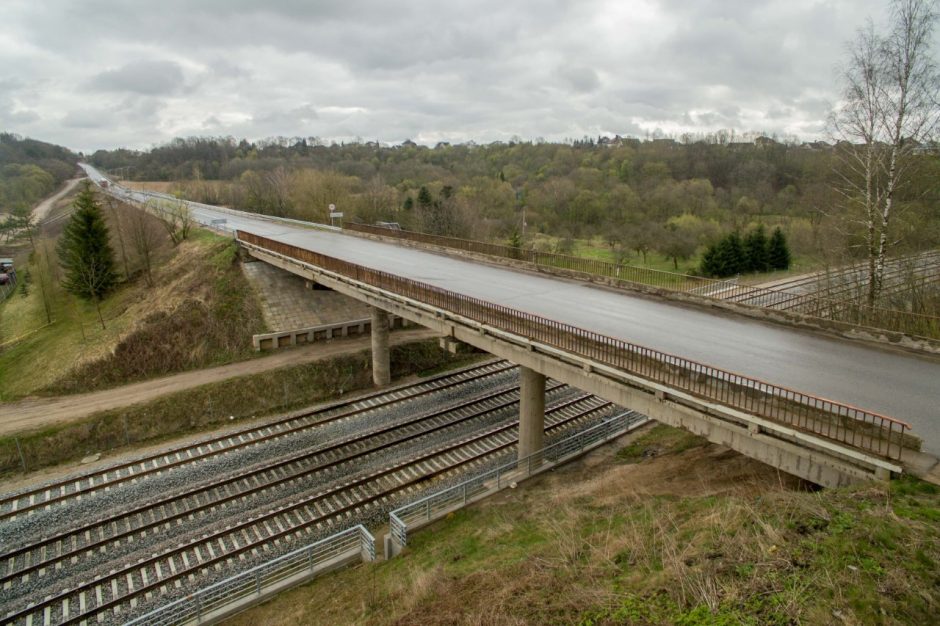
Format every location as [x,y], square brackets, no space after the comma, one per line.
[381,371]
[531,412]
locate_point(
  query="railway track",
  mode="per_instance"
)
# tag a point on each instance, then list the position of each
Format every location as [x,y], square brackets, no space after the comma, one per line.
[66,490]
[838,284]
[72,547]
[198,557]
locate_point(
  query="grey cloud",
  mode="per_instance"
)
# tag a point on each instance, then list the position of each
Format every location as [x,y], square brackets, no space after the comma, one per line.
[86,119]
[421,69]
[581,78]
[141,77]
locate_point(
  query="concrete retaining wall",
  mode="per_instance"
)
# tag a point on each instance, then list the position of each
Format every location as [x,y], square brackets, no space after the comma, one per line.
[325,332]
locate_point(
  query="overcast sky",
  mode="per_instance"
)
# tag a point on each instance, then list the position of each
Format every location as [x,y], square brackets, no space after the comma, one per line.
[105,73]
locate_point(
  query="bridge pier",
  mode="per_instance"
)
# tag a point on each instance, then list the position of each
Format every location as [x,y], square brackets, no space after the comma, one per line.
[531,412]
[381,371]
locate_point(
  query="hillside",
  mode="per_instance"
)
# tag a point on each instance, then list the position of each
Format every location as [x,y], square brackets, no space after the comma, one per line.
[30,170]
[658,528]
[197,313]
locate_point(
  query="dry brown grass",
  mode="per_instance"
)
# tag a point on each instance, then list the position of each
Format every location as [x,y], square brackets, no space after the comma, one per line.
[702,536]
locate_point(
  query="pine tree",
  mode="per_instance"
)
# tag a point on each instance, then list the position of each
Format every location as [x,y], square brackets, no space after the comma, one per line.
[756,250]
[85,252]
[726,258]
[778,252]
[424,198]
[709,266]
[730,255]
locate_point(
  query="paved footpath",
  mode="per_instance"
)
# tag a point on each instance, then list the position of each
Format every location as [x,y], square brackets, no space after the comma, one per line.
[33,413]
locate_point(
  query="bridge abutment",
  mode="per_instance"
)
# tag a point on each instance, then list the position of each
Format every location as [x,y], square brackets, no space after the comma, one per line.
[531,412]
[381,370]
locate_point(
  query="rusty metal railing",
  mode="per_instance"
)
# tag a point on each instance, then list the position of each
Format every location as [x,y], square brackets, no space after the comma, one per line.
[852,426]
[808,304]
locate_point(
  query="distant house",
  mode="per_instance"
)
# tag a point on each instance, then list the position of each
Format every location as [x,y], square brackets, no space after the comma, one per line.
[407,143]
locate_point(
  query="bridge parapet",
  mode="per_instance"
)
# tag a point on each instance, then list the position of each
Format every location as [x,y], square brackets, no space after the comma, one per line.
[843,431]
[810,305]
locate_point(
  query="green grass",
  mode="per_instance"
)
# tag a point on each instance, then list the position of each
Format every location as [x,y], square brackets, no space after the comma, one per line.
[597,248]
[661,439]
[209,406]
[36,353]
[38,357]
[615,544]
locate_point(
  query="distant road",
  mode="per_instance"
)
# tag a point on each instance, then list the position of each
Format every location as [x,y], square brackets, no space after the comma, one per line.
[41,210]
[35,413]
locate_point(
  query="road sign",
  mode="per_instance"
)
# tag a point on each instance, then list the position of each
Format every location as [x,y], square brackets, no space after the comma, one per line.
[335,214]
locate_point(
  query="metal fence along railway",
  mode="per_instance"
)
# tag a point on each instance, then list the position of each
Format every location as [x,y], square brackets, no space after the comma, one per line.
[854,427]
[809,304]
[250,586]
[432,506]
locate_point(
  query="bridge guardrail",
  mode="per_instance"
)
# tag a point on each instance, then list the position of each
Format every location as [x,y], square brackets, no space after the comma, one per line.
[864,430]
[430,507]
[252,584]
[812,305]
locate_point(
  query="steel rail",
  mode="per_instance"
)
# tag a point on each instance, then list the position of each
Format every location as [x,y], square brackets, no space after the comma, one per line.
[356,501]
[247,437]
[12,575]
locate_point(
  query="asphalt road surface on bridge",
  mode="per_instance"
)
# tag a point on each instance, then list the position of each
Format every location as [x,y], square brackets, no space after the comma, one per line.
[894,383]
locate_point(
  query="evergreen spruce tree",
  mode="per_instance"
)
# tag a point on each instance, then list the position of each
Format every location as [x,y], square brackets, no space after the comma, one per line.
[424,198]
[778,252]
[709,266]
[85,252]
[730,256]
[756,250]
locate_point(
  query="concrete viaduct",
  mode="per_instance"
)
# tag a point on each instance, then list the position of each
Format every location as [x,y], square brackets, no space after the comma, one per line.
[745,398]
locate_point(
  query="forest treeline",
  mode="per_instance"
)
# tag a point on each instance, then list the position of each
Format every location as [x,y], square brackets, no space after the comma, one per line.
[30,170]
[673,198]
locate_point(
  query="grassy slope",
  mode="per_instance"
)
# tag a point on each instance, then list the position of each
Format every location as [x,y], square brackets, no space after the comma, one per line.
[213,405]
[75,354]
[652,536]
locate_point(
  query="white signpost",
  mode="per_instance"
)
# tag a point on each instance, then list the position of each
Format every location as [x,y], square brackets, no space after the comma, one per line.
[334,214]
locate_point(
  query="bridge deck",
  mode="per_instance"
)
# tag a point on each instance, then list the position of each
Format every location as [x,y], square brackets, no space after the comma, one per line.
[897,384]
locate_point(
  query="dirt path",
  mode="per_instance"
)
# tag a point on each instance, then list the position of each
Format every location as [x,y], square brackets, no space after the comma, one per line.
[41,210]
[33,413]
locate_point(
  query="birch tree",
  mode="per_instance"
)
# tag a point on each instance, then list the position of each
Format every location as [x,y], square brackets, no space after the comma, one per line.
[889,108]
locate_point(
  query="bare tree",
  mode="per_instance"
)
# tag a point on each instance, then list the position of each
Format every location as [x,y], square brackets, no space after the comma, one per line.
[118,228]
[889,108]
[144,238]
[910,104]
[176,219]
[859,155]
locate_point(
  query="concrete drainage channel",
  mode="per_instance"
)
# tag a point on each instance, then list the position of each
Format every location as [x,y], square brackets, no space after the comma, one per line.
[222,599]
